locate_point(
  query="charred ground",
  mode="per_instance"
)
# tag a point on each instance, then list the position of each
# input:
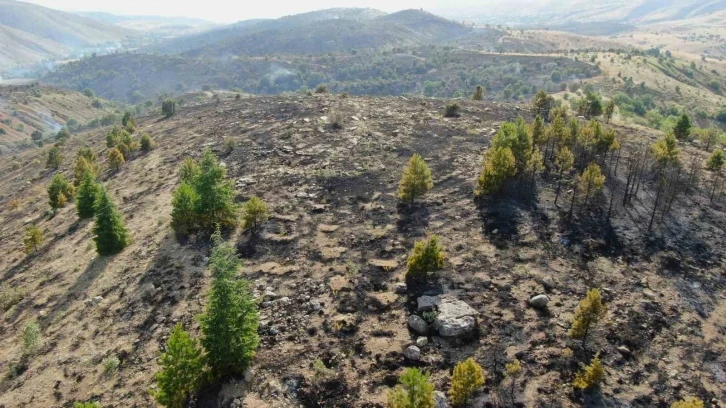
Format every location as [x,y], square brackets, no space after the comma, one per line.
[335,246]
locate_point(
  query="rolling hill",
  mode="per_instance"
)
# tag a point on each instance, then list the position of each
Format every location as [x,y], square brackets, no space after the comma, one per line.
[29,106]
[319,32]
[31,33]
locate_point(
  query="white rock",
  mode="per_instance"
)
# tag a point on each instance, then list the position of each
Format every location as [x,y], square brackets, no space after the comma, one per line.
[539,301]
[455,318]
[422,341]
[440,400]
[248,374]
[400,288]
[412,353]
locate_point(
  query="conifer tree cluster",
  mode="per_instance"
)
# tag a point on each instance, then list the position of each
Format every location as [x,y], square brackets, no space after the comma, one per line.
[229,325]
[229,334]
[204,200]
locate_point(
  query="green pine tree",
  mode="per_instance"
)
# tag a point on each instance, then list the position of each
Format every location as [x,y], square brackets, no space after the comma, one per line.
[215,206]
[184,202]
[682,130]
[416,180]
[229,326]
[86,196]
[415,391]
[109,230]
[182,368]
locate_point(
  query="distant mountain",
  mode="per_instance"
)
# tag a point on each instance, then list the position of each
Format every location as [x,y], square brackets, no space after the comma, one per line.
[153,24]
[30,33]
[564,12]
[247,27]
[320,32]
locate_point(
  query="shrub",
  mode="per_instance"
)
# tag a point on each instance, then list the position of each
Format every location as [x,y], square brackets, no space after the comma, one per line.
[9,297]
[32,340]
[86,405]
[229,144]
[89,92]
[182,368]
[97,104]
[337,122]
[512,371]
[427,256]
[452,110]
[115,159]
[14,205]
[499,165]
[416,180]
[254,214]
[60,191]
[63,135]
[36,136]
[229,325]
[321,89]
[126,144]
[587,315]
[415,391]
[86,196]
[33,239]
[55,158]
[110,364]
[689,402]
[716,161]
[478,93]
[146,143]
[109,230]
[467,378]
[590,376]
[168,108]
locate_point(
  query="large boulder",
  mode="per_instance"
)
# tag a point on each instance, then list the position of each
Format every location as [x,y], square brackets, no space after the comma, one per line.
[418,324]
[455,318]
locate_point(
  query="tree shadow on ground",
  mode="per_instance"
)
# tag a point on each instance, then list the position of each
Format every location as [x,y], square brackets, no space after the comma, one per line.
[93,271]
[413,218]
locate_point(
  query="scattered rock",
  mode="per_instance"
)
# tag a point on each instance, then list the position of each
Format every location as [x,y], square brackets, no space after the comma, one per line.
[412,353]
[422,341]
[427,303]
[440,400]
[624,351]
[455,318]
[400,288]
[248,374]
[539,301]
[548,283]
[418,324]
[385,264]
[327,228]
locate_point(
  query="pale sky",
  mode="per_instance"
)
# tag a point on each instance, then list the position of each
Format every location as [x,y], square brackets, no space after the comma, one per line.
[227,11]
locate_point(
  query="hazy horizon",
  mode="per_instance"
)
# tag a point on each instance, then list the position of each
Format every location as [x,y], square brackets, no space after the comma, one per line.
[219,11]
